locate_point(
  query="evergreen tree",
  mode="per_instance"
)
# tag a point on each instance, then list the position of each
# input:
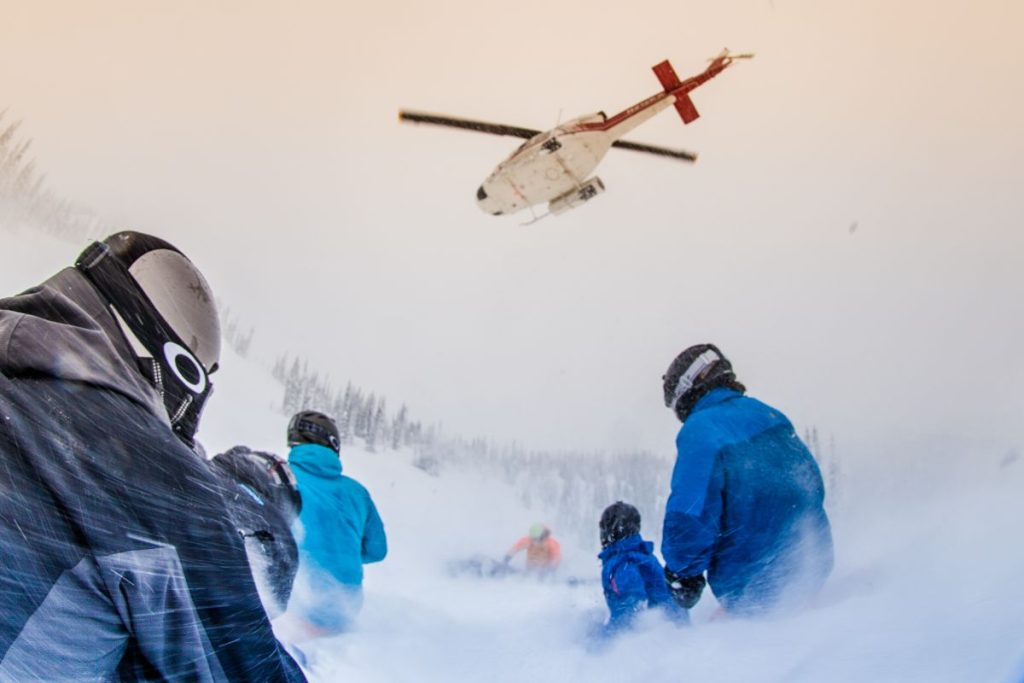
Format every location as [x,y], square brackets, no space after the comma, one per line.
[398,428]
[342,404]
[292,388]
[365,419]
[279,371]
[378,426]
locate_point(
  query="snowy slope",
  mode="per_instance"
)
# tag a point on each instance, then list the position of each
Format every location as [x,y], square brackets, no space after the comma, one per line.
[927,585]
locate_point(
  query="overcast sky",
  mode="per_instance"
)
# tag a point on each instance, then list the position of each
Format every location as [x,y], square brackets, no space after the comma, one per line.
[262,139]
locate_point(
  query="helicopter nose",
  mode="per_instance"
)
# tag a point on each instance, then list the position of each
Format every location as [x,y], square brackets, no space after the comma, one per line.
[486,204]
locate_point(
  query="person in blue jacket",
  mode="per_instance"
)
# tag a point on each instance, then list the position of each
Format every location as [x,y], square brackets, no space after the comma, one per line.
[632,577]
[746,505]
[338,530]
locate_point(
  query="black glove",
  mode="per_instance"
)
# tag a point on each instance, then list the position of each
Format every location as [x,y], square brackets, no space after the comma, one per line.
[685,589]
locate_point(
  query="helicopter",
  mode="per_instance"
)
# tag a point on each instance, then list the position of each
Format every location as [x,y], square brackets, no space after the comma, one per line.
[555,166]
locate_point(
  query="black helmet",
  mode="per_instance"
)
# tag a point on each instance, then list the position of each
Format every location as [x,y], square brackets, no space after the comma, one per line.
[618,521]
[693,373]
[166,310]
[310,426]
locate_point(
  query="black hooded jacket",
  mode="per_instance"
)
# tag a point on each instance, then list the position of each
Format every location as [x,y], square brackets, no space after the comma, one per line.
[119,559]
[263,508]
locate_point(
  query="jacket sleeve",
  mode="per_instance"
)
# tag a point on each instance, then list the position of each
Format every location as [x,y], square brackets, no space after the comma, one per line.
[554,552]
[150,592]
[141,622]
[658,595]
[518,546]
[625,594]
[375,541]
[143,578]
[694,509]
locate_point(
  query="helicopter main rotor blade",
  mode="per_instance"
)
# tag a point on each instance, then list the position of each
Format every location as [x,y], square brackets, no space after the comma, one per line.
[527,133]
[466,124]
[680,154]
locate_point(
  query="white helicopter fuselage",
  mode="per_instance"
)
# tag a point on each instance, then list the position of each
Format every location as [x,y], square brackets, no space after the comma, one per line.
[554,167]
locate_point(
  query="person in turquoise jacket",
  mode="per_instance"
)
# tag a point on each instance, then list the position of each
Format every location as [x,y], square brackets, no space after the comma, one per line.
[338,530]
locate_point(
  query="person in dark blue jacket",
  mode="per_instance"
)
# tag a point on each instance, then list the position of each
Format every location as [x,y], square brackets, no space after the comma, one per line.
[632,577]
[746,505]
[263,503]
[120,558]
[338,531]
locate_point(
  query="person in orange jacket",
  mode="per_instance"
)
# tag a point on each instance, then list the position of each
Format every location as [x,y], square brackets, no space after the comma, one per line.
[543,552]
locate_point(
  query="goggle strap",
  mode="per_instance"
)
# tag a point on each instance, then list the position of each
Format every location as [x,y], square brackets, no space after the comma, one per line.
[699,365]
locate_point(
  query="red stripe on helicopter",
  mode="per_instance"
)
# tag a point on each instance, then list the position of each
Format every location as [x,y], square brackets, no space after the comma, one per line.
[625,114]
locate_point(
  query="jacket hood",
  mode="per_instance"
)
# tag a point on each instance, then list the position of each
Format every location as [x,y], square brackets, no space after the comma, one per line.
[629,544]
[315,459]
[63,330]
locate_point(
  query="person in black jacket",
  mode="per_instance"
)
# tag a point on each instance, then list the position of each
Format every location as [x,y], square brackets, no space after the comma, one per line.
[120,561]
[263,503]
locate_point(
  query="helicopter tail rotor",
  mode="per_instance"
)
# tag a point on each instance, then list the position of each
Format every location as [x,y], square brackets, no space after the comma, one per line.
[680,90]
[725,58]
[671,83]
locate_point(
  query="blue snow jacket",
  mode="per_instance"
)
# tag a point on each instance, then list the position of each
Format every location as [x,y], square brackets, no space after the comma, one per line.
[340,527]
[632,579]
[746,505]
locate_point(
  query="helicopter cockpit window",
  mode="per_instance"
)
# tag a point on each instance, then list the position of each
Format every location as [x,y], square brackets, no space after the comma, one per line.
[552,145]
